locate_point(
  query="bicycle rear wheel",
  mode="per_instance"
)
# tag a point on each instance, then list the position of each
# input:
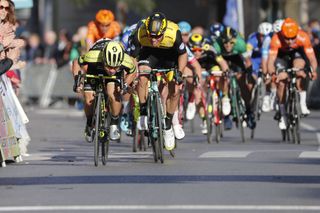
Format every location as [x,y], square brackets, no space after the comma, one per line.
[96,120]
[104,151]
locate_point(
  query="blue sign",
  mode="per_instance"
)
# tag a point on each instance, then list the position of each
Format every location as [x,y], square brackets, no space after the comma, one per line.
[231,17]
[22,4]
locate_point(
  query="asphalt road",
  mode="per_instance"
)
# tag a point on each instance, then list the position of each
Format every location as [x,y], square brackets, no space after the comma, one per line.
[261,175]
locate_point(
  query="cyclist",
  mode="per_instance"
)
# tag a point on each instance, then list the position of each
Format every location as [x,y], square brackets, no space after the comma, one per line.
[291,47]
[255,46]
[108,58]
[104,26]
[207,56]
[269,98]
[158,44]
[232,47]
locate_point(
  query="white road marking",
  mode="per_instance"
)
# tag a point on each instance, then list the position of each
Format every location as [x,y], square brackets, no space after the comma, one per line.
[225,154]
[163,207]
[310,154]
[311,128]
[61,112]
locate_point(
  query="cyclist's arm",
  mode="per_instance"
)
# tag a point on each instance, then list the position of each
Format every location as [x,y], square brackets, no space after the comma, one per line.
[308,49]
[241,48]
[130,68]
[181,49]
[135,45]
[197,67]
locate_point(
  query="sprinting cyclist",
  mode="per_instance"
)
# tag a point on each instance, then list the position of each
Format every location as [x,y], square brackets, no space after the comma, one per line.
[291,47]
[232,47]
[158,44]
[108,58]
[207,56]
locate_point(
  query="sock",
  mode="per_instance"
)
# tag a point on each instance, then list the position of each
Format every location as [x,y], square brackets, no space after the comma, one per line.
[303,98]
[168,120]
[175,119]
[143,109]
[282,110]
[114,120]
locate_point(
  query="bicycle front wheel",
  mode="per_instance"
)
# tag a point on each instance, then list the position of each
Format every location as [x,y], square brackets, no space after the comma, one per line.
[160,126]
[239,116]
[96,140]
[296,119]
[209,115]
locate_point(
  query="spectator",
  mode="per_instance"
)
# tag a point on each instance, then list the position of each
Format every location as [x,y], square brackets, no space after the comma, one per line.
[7,33]
[64,48]
[34,49]
[79,43]
[50,48]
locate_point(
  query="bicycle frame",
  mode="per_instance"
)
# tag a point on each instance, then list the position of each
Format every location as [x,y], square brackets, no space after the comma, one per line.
[100,120]
[214,104]
[293,105]
[156,114]
[238,108]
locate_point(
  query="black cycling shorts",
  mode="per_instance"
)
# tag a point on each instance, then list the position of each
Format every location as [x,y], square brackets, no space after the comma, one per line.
[157,58]
[285,60]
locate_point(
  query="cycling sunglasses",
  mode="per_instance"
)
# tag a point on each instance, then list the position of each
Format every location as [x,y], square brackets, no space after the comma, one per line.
[290,39]
[196,49]
[155,36]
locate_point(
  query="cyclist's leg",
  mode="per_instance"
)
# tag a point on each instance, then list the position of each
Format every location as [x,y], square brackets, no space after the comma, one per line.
[88,110]
[191,107]
[300,63]
[281,91]
[114,97]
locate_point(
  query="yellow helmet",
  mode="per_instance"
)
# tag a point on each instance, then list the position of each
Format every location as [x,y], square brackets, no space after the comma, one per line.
[156,24]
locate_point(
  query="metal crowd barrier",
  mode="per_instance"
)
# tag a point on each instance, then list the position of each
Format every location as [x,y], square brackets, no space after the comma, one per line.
[45,82]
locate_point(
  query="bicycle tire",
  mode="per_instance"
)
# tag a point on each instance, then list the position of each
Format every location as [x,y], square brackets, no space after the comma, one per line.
[218,126]
[135,139]
[104,151]
[160,125]
[239,116]
[209,115]
[151,138]
[297,116]
[96,140]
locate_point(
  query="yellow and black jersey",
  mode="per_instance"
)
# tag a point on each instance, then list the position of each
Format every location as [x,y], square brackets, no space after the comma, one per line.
[171,40]
[94,59]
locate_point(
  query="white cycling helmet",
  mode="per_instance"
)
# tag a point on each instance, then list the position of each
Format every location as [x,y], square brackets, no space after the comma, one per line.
[113,54]
[277,25]
[265,28]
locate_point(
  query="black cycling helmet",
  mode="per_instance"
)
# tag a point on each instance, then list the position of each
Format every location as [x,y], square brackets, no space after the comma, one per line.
[156,24]
[196,40]
[228,34]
